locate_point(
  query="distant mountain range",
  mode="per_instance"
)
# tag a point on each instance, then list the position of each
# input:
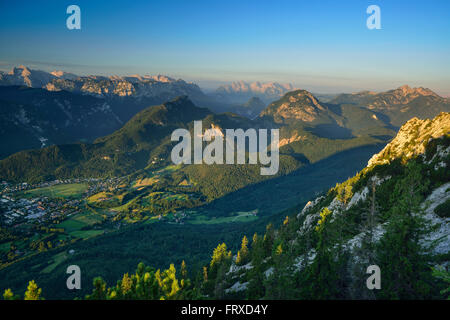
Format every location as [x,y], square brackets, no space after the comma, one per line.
[39,108]
[398,105]
[104,87]
[126,95]
[23,76]
[147,136]
[62,108]
[359,112]
[241,91]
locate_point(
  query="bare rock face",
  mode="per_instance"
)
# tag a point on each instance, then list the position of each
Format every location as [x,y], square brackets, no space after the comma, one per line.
[412,138]
[23,76]
[113,86]
[295,137]
[400,96]
[297,105]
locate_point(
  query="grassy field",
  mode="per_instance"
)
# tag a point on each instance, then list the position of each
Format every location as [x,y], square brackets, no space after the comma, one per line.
[85,234]
[239,217]
[178,196]
[73,190]
[145,182]
[79,221]
[107,198]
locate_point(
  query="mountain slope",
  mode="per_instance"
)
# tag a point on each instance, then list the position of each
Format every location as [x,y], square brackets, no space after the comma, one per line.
[127,95]
[398,105]
[391,215]
[302,111]
[147,136]
[412,139]
[251,109]
[298,105]
[122,152]
[33,118]
[23,76]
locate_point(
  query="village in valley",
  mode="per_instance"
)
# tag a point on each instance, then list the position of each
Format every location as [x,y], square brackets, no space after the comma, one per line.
[36,217]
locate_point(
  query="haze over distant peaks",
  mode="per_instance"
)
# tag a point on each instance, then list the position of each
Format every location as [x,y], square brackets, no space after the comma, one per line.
[159,78]
[269,87]
[64,75]
[241,91]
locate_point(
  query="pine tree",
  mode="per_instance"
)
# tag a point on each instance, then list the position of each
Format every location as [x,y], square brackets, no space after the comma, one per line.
[366,252]
[444,276]
[243,254]
[183,270]
[168,283]
[9,295]
[126,286]
[33,291]
[404,266]
[324,277]
[205,274]
[279,250]
[256,288]
[268,240]
[220,254]
[238,259]
[99,291]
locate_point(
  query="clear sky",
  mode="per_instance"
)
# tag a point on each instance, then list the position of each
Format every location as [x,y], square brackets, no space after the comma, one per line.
[323,46]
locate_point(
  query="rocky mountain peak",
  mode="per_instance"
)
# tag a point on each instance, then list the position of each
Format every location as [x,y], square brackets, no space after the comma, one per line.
[412,138]
[102,86]
[406,90]
[23,75]
[300,105]
[179,101]
[20,71]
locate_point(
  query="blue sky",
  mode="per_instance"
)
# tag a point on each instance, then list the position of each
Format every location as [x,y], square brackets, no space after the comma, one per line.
[322,46]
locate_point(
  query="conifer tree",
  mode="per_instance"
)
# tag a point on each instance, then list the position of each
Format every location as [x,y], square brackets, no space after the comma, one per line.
[242,255]
[9,295]
[256,274]
[33,291]
[99,292]
[403,264]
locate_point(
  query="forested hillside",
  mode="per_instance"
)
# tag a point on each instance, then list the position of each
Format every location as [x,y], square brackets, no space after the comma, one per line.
[393,214]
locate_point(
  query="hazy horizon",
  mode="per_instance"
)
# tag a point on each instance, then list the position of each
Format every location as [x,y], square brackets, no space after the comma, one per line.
[211,85]
[322,47]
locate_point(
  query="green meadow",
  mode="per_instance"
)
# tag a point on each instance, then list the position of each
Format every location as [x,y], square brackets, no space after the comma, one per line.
[72,190]
[79,221]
